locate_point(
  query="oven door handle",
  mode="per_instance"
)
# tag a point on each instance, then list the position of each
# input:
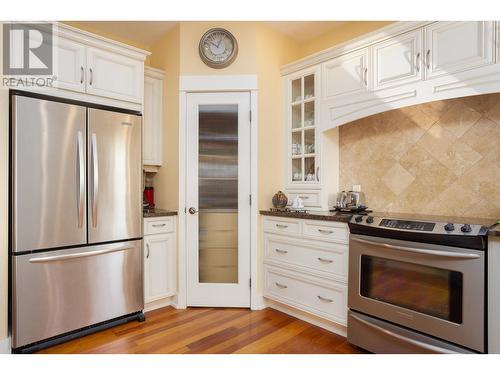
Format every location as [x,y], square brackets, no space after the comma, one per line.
[446,254]
[418,344]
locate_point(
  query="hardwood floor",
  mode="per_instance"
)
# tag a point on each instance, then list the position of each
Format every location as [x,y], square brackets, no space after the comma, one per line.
[210,330]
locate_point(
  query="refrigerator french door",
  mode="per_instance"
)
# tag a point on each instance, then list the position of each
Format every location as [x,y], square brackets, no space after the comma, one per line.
[76,175]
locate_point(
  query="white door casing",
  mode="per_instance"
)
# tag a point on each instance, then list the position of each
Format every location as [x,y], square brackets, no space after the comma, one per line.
[218,294]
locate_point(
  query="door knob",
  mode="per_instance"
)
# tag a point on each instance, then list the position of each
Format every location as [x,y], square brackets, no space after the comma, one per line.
[192,210]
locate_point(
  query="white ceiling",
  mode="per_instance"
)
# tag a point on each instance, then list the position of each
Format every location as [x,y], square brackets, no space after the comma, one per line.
[148,32]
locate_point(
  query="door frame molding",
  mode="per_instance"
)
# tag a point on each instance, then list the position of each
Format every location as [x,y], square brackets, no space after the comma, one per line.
[217,83]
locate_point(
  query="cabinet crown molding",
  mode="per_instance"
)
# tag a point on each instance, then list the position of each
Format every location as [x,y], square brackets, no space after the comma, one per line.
[362,41]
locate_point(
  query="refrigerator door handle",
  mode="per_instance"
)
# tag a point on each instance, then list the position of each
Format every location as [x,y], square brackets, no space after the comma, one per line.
[79,255]
[95,180]
[81,179]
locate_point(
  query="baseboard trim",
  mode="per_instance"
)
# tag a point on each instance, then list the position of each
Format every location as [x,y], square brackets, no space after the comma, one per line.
[5,347]
[309,318]
[158,304]
[258,303]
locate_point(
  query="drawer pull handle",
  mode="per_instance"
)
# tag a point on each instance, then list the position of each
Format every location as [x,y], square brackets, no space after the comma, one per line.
[323,231]
[281,286]
[279,251]
[323,299]
[323,260]
[281,226]
[303,197]
[159,225]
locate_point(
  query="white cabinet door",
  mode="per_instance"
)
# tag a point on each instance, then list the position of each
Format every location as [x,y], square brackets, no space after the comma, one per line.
[456,46]
[346,75]
[152,122]
[159,267]
[398,60]
[70,65]
[114,76]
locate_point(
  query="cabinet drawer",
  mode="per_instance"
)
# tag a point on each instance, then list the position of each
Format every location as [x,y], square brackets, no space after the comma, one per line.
[330,258]
[158,225]
[310,199]
[326,231]
[314,295]
[282,226]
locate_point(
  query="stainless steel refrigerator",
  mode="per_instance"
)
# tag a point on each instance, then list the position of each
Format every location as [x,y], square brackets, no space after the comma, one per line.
[76,218]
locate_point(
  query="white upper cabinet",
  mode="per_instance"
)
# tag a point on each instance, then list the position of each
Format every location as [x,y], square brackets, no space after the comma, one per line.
[152,151]
[114,76]
[70,65]
[398,60]
[456,46]
[346,75]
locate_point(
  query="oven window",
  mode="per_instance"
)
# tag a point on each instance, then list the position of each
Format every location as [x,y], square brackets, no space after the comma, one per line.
[428,290]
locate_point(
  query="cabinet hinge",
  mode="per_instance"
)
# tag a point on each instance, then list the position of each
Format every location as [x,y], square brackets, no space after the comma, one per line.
[185,210]
[250,199]
[250,116]
[250,282]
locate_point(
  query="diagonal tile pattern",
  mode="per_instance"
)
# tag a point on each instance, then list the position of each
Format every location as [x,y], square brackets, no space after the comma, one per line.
[440,158]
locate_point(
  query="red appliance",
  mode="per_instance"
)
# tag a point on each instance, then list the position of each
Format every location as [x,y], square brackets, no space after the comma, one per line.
[149,196]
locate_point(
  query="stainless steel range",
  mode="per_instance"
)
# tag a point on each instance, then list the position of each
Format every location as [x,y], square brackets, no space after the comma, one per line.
[416,286]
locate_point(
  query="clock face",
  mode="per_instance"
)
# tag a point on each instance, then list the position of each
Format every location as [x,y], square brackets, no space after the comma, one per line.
[218,48]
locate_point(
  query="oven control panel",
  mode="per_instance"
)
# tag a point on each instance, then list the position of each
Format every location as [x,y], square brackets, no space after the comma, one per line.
[419,226]
[406,224]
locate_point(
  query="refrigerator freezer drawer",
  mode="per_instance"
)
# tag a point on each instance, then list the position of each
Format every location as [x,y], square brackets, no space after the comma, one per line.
[60,291]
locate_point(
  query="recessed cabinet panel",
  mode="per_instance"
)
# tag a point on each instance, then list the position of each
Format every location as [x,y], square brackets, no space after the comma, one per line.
[398,60]
[114,76]
[159,267]
[456,46]
[70,65]
[345,75]
[152,151]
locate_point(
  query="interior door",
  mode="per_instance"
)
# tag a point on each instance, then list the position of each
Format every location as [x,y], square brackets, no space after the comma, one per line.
[49,163]
[115,176]
[218,199]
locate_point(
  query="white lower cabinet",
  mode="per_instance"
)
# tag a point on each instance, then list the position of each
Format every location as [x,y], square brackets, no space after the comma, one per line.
[160,264]
[306,270]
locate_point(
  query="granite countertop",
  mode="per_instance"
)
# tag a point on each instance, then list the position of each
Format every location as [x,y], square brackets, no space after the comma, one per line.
[342,217]
[157,212]
[495,231]
[345,217]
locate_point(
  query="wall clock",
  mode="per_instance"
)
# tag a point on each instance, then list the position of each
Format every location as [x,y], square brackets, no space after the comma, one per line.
[218,48]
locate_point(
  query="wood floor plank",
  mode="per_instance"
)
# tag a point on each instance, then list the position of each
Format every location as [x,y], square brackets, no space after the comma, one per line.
[211,330]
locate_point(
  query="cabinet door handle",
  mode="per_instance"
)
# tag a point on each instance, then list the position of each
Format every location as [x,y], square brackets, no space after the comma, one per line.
[365,77]
[158,225]
[281,286]
[324,231]
[91,77]
[428,59]
[323,260]
[323,299]
[417,62]
[279,251]
[147,251]
[281,226]
[317,174]
[81,74]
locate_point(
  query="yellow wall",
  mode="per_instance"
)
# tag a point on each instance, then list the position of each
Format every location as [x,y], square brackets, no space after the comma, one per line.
[344,33]
[166,56]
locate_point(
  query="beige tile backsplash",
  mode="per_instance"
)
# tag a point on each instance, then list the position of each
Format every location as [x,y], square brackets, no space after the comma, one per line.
[440,158]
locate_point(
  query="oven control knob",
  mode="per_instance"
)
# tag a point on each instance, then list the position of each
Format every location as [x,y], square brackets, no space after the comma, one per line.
[369,219]
[359,219]
[466,228]
[449,227]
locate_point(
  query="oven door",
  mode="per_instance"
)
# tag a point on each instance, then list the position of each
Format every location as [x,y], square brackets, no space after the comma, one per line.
[438,290]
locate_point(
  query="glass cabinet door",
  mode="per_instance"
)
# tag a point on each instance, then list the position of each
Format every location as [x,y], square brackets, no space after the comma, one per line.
[302,107]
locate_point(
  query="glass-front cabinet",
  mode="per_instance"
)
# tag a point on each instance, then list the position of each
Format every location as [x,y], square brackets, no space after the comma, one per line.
[302,156]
